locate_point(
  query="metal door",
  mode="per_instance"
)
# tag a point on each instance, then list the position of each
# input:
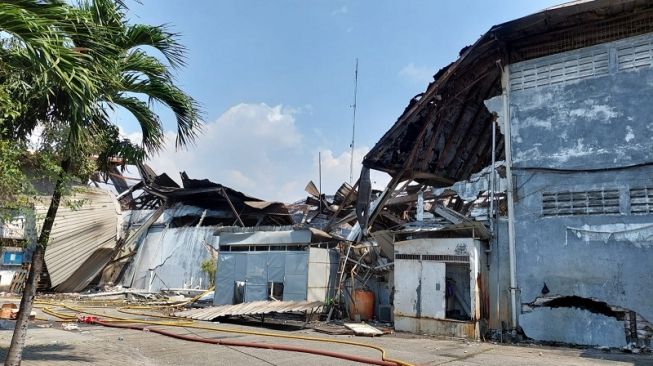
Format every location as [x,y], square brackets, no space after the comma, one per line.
[433,289]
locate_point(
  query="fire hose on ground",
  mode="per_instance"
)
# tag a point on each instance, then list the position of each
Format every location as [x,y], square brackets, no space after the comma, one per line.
[112,321]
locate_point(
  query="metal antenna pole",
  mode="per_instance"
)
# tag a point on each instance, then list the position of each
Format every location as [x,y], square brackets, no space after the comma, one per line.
[353,126]
[319,164]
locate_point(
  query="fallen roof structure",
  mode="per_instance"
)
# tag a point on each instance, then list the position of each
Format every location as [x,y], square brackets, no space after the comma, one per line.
[251,308]
[246,210]
[83,238]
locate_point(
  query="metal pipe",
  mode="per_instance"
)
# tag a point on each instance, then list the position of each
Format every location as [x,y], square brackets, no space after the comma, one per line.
[492,176]
[505,81]
[233,209]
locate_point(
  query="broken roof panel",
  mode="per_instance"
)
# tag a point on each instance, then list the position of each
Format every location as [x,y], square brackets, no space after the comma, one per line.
[250,308]
[82,238]
[281,237]
[203,193]
[271,235]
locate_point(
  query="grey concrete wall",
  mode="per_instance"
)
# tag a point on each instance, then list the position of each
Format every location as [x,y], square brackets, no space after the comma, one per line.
[614,270]
[591,112]
[605,122]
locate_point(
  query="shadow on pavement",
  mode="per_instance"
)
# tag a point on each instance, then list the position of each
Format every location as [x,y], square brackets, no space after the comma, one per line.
[49,352]
[633,359]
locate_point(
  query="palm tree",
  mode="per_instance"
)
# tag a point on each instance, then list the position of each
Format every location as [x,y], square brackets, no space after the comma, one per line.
[36,45]
[124,73]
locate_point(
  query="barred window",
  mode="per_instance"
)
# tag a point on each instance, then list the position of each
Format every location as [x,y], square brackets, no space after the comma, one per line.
[598,202]
[641,201]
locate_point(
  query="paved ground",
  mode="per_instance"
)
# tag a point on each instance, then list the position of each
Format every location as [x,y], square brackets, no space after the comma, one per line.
[95,345]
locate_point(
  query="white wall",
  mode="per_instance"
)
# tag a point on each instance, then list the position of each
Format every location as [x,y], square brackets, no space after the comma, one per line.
[416,281]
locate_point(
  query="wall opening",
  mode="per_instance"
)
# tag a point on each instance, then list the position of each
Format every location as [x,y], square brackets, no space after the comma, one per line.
[638,330]
[239,292]
[584,303]
[275,291]
[457,294]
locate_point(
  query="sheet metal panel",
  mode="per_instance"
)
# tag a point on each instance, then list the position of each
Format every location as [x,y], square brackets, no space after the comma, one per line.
[266,237]
[78,233]
[251,308]
[433,286]
[170,258]
[296,276]
[225,277]
[257,269]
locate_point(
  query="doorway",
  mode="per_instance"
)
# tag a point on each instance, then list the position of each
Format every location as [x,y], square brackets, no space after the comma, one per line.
[458,294]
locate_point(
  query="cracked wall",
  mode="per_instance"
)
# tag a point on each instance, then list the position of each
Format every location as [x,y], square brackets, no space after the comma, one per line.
[597,128]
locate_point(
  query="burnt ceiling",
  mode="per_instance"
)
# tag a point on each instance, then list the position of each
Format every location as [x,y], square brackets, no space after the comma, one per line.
[445,134]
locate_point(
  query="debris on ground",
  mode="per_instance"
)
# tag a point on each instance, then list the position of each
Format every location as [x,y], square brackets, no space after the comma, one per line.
[69,326]
[362,329]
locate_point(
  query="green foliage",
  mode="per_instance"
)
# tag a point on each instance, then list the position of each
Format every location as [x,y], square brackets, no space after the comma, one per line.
[62,68]
[12,177]
[210,267]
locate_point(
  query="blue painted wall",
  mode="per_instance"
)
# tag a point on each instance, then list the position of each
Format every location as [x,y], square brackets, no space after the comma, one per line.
[590,112]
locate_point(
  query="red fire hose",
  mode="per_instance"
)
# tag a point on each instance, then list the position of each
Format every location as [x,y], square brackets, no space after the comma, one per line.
[278,347]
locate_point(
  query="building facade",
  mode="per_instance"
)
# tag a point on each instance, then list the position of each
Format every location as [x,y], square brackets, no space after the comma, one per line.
[581,130]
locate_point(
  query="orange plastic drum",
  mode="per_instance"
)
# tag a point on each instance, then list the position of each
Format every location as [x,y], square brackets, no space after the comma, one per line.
[363,305]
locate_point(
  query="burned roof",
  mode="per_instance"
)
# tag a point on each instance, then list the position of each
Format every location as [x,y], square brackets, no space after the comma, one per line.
[247,210]
[444,134]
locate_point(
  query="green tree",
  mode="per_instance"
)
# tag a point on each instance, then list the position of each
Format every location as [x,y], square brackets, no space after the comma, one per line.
[210,267]
[113,54]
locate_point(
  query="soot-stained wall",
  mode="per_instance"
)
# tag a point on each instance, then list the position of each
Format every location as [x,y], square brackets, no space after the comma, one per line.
[582,138]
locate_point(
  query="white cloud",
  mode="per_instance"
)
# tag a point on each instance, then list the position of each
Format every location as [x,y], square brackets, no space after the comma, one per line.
[336,168]
[416,74]
[341,10]
[258,149]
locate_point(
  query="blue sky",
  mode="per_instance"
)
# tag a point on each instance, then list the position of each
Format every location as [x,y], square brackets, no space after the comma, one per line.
[275,79]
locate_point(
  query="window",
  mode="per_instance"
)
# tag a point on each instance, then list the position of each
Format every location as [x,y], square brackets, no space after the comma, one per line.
[641,201]
[596,202]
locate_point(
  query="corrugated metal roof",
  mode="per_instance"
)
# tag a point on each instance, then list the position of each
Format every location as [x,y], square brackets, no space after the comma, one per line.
[250,308]
[79,232]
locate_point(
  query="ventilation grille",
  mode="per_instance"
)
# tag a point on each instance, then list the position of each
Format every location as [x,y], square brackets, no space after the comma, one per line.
[641,201]
[434,257]
[581,203]
[414,257]
[635,55]
[560,69]
[446,258]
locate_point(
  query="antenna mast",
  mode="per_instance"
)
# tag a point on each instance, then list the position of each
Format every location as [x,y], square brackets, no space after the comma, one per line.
[353,126]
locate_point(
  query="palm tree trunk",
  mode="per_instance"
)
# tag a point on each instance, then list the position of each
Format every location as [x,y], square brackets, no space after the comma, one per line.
[15,353]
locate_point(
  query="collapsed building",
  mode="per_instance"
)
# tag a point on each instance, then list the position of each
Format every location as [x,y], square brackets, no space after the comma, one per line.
[520,201]
[560,97]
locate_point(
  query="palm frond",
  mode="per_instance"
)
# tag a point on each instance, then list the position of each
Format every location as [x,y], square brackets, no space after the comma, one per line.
[159,37]
[139,62]
[187,111]
[153,137]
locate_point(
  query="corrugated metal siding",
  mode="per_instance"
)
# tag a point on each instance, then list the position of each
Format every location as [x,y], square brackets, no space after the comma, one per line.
[250,308]
[78,233]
